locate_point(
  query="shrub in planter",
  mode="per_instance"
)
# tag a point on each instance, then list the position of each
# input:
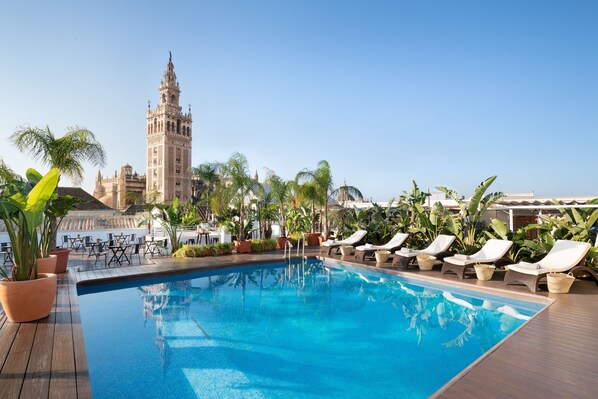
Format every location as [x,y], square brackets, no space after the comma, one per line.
[207,250]
[224,248]
[257,245]
[269,245]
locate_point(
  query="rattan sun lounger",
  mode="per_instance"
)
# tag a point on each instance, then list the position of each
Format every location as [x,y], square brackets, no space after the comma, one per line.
[493,252]
[353,240]
[565,256]
[368,249]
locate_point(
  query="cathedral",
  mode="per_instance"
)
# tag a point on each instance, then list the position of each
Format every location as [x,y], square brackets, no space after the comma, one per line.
[168,155]
[168,143]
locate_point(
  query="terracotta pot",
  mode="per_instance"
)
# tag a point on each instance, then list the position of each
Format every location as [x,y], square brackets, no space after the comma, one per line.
[28,300]
[312,239]
[47,265]
[243,246]
[62,260]
[281,242]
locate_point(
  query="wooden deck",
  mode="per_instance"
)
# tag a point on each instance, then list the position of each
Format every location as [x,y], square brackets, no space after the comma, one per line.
[551,356]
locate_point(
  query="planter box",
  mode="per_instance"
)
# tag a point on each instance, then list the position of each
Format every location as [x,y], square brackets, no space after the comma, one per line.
[243,247]
[281,242]
[312,239]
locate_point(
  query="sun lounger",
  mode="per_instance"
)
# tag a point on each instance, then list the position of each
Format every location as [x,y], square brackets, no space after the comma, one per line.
[438,248]
[353,240]
[493,252]
[565,256]
[368,249]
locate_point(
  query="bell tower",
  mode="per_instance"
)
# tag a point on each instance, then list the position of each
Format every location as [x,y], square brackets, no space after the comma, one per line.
[168,143]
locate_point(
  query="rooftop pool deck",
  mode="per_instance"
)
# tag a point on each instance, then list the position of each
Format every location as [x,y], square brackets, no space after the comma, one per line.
[553,355]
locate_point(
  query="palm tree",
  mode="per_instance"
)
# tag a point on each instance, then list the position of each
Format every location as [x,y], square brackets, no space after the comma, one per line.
[307,192]
[281,194]
[321,179]
[235,176]
[208,172]
[67,153]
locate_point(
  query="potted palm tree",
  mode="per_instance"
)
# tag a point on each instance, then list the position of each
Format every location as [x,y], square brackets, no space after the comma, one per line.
[26,295]
[67,153]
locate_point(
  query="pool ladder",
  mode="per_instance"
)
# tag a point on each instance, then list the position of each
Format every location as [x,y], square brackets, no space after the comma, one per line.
[300,245]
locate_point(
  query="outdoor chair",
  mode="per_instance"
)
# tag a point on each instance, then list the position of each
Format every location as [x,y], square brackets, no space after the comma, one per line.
[135,251]
[368,249]
[101,251]
[7,252]
[437,248]
[132,238]
[65,241]
[565,256]
[163,247]
[493,252]
[353,240]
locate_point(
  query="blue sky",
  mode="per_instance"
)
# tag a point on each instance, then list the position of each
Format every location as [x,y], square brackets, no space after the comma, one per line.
[445,93]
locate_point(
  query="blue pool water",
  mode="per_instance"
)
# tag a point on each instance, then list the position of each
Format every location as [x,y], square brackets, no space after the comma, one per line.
[286,331]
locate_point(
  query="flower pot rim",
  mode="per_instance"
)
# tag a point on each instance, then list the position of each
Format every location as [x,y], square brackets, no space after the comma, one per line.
[39,277]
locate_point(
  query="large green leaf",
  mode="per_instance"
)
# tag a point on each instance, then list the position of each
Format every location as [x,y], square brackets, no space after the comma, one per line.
[478,194]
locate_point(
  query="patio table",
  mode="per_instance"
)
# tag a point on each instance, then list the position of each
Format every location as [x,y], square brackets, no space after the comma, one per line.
[76,243]
[118,253]
[122,238]
[152,245]
[93,248]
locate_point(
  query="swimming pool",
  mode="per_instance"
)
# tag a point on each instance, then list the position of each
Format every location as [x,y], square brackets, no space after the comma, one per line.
[307,330]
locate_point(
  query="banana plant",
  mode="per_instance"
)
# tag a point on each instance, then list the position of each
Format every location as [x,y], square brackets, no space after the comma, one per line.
[473,210]
[22,207]
[428,224]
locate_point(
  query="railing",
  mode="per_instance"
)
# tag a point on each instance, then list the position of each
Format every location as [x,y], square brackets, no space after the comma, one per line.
[300,246]
[300,240]
[290,247]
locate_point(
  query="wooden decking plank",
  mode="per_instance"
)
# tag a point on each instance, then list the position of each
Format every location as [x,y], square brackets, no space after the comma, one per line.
[15,366]
[8,333]
[81,369]
[63,378]
[39,369]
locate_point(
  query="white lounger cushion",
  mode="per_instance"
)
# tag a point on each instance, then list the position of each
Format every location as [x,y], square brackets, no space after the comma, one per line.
[353,239]
[492,251]
[563,256]
[440,244]
[394,242]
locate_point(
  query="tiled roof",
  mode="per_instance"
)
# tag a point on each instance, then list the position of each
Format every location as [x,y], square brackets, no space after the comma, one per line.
[90,203]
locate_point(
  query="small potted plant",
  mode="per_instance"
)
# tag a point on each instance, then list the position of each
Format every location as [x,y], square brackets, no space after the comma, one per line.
[26,295]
